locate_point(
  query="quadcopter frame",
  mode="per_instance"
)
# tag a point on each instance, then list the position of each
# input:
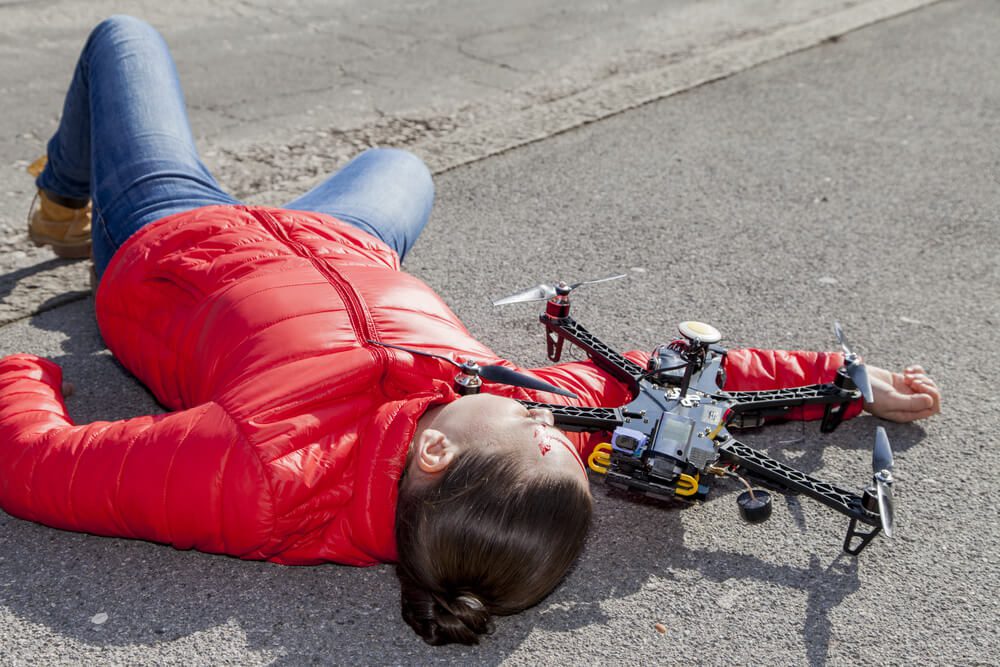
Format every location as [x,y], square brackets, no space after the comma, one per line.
[673,435]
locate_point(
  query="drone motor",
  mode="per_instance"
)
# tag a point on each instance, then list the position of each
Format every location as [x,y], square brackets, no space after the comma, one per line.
[667,363]
[755,505]
[468,380]
[674,362]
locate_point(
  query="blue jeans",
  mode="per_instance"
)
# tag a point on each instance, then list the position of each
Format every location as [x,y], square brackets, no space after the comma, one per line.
[124,142]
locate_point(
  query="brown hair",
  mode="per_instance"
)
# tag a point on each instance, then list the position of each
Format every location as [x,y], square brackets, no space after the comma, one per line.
[493,537]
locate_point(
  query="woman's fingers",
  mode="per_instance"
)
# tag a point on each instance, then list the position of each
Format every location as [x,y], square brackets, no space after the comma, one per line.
[920,379]
[924,384]
[905,407]
[917,401]
[928,388]
[903,416]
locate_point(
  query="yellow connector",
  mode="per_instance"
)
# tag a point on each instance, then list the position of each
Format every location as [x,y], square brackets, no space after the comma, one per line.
[600,458]
[687,485]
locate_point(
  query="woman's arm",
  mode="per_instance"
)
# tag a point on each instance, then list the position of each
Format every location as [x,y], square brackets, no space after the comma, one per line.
[898,396]
[752,369]
[184,478]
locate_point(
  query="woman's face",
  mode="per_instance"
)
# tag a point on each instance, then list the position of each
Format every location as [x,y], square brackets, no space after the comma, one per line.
[485,420]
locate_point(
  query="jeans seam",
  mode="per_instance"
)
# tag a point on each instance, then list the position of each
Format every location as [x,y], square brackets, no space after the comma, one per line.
[97,222]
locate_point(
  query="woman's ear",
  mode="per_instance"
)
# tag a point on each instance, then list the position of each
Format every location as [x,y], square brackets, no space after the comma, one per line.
[435,451]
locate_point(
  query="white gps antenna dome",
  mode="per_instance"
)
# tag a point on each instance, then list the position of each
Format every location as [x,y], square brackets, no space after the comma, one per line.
[699,332]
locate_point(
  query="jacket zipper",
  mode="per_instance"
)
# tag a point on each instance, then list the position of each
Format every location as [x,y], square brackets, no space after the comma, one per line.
[364,329]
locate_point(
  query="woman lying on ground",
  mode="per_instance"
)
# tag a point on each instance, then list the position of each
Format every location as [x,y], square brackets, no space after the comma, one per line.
[291,437]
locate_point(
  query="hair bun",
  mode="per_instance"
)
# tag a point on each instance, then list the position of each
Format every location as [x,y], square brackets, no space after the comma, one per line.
[471,601]
[462,618]
[440,620]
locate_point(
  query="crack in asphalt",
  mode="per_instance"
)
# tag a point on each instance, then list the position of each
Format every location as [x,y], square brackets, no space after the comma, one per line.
[462,50]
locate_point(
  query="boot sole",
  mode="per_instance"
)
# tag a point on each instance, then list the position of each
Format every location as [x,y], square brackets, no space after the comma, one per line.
[61,248]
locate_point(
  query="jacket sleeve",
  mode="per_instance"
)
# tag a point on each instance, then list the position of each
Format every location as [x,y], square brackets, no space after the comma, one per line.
[760,370]
[179,478]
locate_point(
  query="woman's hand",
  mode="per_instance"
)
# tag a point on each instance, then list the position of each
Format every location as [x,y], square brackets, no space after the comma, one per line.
[903,397]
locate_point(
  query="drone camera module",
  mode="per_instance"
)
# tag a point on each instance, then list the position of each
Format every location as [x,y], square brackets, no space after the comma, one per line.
[628,441]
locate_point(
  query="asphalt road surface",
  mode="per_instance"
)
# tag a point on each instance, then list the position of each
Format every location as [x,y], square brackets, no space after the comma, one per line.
[858,180]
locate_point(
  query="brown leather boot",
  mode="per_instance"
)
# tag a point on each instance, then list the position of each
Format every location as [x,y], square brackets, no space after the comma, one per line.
[64,227]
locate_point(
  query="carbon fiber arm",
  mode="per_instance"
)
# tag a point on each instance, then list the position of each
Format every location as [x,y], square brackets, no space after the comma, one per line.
[576,418]
[760,464]
[778,401]
[606,358]
[750,408]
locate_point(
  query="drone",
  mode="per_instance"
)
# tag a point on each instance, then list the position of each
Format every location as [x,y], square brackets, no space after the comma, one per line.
[673,439]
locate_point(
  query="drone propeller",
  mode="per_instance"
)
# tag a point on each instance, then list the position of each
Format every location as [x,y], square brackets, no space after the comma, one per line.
[545,291]
[882,478]
[855,367]
[493,372]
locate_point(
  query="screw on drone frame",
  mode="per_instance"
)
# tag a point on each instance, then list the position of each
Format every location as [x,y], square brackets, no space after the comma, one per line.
[470,380]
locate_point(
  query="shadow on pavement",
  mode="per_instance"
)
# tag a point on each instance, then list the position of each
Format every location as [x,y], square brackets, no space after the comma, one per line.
[8,281]
[29,278]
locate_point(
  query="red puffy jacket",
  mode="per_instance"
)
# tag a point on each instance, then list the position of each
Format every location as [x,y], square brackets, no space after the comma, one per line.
[288,432]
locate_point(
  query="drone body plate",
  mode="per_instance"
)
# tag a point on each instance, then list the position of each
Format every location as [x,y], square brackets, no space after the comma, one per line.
[678,433]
